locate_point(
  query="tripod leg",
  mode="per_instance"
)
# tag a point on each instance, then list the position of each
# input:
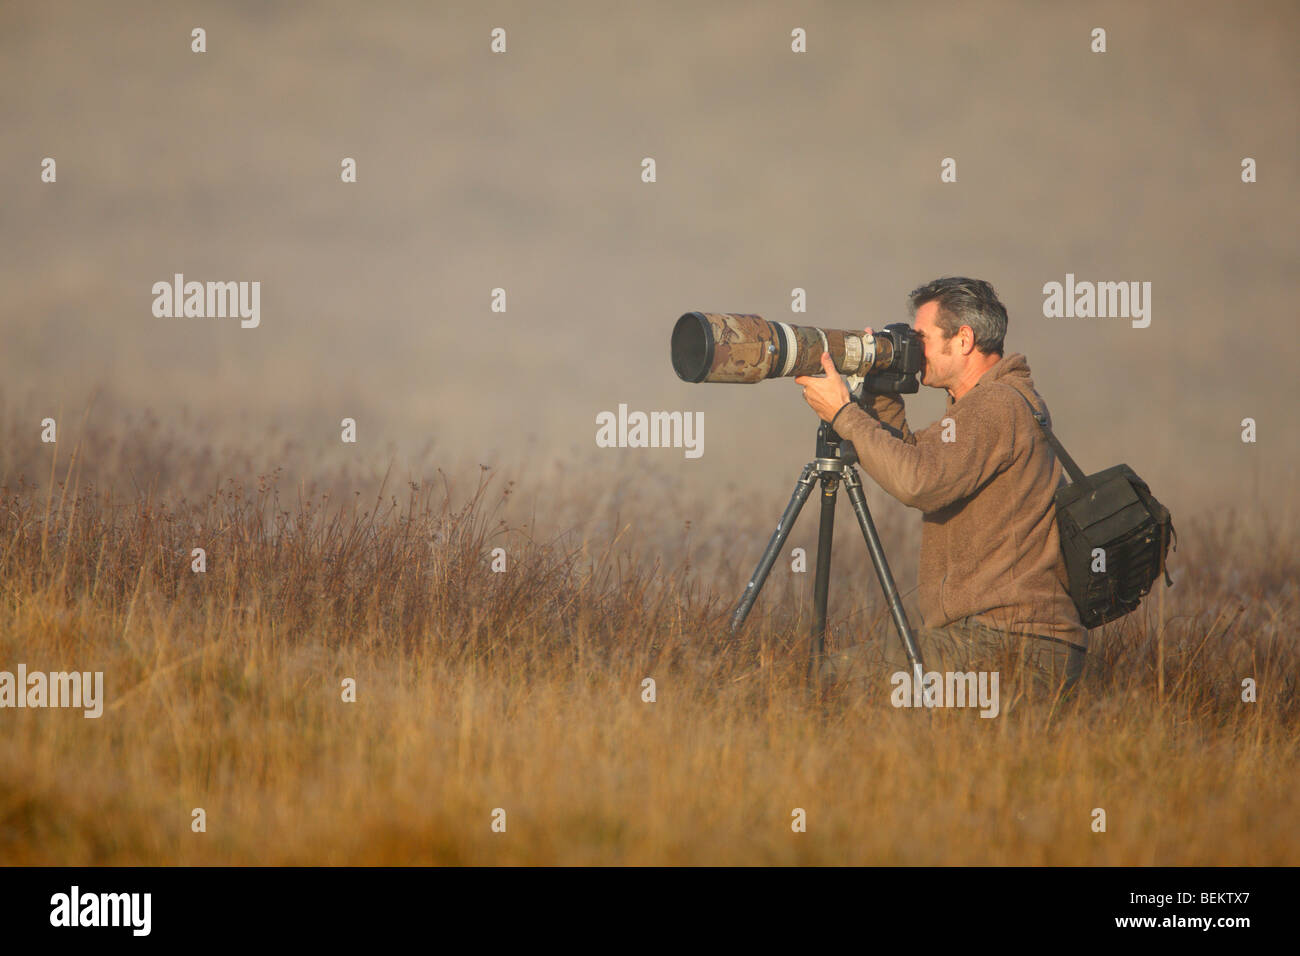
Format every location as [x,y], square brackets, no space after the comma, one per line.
[802,489]
[821,585]
[854,485]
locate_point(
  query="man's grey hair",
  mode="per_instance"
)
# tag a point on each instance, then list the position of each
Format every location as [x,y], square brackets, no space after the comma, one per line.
[965,301]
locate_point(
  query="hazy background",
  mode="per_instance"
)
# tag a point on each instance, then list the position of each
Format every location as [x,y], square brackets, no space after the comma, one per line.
[775,170]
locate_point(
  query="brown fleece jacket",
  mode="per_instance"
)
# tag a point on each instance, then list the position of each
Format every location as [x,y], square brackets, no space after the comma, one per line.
[989,543]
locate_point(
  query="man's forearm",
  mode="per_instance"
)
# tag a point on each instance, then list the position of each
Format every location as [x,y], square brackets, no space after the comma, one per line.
[881,453]
[888,410]
[931,471]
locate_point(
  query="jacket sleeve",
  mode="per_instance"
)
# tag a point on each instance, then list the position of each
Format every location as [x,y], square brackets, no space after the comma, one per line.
[929,473]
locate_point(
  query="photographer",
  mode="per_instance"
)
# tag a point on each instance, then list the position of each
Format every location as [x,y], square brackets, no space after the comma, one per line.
[992,582]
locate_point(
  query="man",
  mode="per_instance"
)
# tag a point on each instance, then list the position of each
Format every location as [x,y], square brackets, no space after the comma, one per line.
[992,582]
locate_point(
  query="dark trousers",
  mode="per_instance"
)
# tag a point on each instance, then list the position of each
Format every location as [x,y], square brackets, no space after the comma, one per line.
[1029,667]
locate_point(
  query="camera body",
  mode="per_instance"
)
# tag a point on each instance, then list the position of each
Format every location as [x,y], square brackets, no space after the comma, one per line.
[907,358]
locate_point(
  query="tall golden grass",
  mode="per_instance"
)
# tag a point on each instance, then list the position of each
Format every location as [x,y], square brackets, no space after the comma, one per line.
[522,690]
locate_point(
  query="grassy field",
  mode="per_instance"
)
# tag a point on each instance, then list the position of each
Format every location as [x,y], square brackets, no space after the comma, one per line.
[521,691]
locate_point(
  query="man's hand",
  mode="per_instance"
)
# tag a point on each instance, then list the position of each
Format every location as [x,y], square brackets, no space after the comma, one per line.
[825,394]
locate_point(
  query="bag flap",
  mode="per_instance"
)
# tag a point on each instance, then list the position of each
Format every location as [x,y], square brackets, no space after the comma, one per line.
[1099,496]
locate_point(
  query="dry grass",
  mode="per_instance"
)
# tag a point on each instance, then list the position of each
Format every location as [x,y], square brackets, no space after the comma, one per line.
[522,690]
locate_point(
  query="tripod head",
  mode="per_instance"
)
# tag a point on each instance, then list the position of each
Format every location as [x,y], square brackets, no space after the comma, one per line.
[830,446]
[833,452]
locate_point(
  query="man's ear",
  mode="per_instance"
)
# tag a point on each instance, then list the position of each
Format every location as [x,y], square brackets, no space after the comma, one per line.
[967,344]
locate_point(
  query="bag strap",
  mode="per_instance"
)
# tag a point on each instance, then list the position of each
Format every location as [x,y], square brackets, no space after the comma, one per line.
[1073,470]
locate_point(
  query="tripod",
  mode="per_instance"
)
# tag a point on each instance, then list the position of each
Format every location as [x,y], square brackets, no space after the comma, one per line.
[835,461]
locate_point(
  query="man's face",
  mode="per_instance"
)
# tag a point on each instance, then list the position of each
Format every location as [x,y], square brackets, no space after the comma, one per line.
[941,362]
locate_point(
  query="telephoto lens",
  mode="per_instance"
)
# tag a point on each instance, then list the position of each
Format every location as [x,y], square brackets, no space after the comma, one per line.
[744,348]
